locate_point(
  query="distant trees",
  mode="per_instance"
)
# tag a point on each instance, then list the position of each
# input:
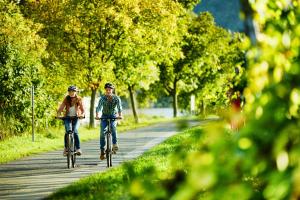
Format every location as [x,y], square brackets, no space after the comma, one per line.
[209,56]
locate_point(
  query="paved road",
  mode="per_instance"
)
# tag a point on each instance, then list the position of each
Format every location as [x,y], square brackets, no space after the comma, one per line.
[38,176]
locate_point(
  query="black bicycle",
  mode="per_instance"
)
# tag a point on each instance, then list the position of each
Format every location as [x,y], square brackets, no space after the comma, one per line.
[108,133]
[71,150]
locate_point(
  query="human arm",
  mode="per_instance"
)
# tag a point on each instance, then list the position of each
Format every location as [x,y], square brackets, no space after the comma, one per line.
[99,107]
[61,107]
[81,108]
[119,107]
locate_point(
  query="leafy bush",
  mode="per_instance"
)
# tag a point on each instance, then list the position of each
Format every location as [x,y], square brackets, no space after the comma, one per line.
[20,62]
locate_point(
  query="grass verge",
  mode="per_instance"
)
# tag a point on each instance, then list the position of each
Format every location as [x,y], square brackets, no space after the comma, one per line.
[17,147]
[128,180]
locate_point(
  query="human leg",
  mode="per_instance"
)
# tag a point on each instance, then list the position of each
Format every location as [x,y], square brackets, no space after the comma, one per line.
[75,124]
[68,127]
[103,127]
[67,123]
[114,135]
[114,132]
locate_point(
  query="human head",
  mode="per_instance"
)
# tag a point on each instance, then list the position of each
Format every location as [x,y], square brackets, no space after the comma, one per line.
[109,85]
[72,88]
[109,88]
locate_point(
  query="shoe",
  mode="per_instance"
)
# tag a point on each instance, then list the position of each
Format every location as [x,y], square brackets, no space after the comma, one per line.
[115,147]
[78,152]
[102,155]
[65,153]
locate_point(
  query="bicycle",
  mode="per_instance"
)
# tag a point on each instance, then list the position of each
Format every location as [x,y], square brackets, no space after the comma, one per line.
[108,133]
[71,150]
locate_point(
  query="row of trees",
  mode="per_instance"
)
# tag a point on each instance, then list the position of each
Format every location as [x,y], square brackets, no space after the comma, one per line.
[157,48]
[260,161]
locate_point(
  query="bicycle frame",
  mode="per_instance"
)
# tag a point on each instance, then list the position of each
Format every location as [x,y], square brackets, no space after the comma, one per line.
[71,151]
[108,134]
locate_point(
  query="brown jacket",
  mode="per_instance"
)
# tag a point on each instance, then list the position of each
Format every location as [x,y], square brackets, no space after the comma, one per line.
[70,101]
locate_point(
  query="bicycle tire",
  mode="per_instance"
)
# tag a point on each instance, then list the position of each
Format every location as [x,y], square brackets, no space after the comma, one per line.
[69,151]
[110,159]
[73,156]
[108,149]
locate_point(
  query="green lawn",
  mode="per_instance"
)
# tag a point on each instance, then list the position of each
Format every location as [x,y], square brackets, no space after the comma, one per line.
[154,170]
[14,148]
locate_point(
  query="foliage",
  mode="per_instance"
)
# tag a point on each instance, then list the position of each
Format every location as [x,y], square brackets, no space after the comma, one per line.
[215,55]
[188,4]
[273,99]
[21,65]
[137,56]
[210,58]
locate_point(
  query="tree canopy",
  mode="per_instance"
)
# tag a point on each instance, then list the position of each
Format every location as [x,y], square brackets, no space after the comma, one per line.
[20,63]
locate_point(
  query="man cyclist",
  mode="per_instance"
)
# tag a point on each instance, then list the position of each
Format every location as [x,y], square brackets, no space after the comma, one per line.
[110,105]
[72,106]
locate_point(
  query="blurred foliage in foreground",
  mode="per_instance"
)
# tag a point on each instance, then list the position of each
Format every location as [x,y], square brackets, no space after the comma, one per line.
[261,161]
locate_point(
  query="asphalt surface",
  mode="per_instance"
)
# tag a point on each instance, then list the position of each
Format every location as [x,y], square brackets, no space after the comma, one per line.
[38,176]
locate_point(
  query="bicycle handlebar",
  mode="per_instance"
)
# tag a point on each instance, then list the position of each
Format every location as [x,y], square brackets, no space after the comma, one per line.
[70,117]
[103,118]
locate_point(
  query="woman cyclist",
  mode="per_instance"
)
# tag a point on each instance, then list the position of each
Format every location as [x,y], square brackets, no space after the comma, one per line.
[73,107]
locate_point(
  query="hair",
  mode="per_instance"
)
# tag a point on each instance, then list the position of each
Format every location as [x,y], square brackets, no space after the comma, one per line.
[69,100]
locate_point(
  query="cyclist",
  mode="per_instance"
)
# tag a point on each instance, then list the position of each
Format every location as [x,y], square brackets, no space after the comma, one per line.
[72,106]
[110,105]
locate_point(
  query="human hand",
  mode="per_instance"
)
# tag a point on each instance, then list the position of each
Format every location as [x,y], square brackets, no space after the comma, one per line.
[81,116]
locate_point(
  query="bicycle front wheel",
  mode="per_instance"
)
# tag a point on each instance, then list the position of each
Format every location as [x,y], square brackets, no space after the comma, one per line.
[108,150]
[69,148]
[73,156]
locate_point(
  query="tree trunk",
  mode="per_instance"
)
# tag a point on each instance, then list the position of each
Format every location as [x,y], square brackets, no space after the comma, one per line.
[93,98]
[248,22]
[133,103]
[175,102]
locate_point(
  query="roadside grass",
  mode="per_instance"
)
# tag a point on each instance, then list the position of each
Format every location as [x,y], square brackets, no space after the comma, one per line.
[17,147]
[128,180]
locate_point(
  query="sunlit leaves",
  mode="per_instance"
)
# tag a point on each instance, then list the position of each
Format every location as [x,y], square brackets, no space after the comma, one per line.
[20,62]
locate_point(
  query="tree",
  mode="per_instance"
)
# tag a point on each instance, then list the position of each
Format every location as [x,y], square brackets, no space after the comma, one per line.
[20,62]
[204,62]
[55,76]
[216,60]
[92,32]
[149,40]
[135,74]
